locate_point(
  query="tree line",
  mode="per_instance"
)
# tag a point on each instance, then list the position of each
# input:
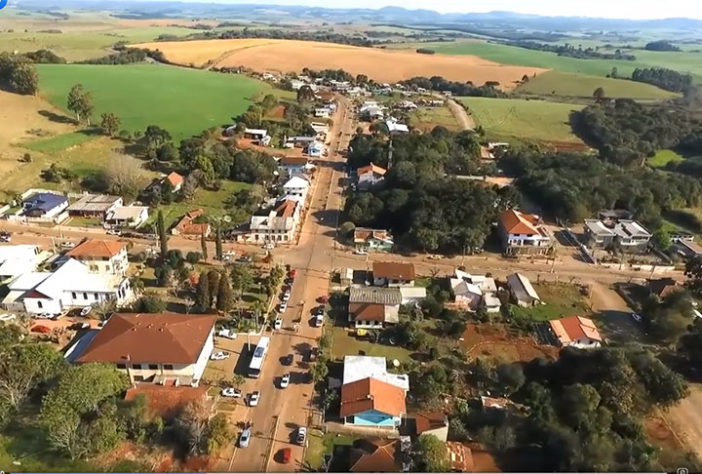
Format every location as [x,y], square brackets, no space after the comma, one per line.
[572,51]
[438,83]
[661,45]
[664,78]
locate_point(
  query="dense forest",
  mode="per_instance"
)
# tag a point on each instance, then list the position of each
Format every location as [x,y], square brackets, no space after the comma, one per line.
[664,78]
[571,51]
[626,132]
[438,83]
[661,45]
[574,187]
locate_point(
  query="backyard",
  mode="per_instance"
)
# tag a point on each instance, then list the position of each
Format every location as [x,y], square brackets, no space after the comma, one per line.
[561,299]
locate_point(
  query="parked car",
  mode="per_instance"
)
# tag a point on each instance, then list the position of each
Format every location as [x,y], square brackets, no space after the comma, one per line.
[269,246]
[114,231]
[244,259]
[278,324]
[254,397]
[41,329]
[285,381]
[245,437]
[301,435]
[86,311]
[360,252]
[318,310]
[221,355]
[231,392]
[288,360]
[44,316]
[226,332]
[319,320]
[324,299]
[7,317]
[285,296]
[79,326]
[292,274]
[68,244]
[5,237]
[282,307]
[57,316]
[285,455]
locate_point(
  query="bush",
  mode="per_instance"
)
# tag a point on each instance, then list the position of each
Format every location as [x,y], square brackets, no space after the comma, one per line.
[150,304]
[193,257]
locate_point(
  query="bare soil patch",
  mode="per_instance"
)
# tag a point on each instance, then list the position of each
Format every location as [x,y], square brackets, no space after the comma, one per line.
[379,64]
[493,342]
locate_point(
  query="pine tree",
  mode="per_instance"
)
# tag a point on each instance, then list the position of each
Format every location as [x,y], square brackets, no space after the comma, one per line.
[225,295]
[218,244]
[203,244]
[214,278]
[202,295]
[163,238]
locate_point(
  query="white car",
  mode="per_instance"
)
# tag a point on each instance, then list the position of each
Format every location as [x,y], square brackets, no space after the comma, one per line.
[231,392]
[254,398]
[245,437]
[86,311]
[360,252]
[221,355]
[319,320]
[7,317]
[286,296]
[282,306]
[278,324]
[44,316]
[68,244]
[301,435]
[285,381]
[227,333]
[114,232]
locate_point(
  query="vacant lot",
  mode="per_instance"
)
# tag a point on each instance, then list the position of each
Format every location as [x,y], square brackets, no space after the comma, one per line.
[533,120]
[379,64]
[561,299]
[426,118]
[183,101]
[492,341]
[581,86]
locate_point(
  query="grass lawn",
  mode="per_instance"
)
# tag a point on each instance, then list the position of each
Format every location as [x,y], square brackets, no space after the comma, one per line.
[344,344]
[210,201]
[534,120]
[60,142]
[321,445]
[183,101]
[83,222]
[426,118]
[573,85]
[663,157]
[561,300]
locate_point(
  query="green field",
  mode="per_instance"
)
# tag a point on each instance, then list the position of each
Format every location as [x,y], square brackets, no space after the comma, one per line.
[59,142]
[532,120]
[663,157]
[572,85]
[426,118]
[560,300]
[183,101]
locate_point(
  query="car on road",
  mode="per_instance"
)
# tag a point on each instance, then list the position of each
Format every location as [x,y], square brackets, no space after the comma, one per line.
[5,237]
[86,311]
[220,355]
[319,320]
[114,231]
[301,437]
[254,397]
[282,307]
[285,296]
[44,316]
[231,392]
[245,437]
[278,324]
[7,317]
[636,317]
[285,381]
[68,244]
[244,259]
[360,252]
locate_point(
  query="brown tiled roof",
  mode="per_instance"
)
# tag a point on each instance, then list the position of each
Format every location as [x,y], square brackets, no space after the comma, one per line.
[165,338]
[461,456]
[427,421]
[372,168]
[166,401]
[662,287]
[286,208]
[362,234]
[367,311]
[186,225]
[372,394]
[293,160]
[374,455]
[574,328]
[393,270]
[93,248]
[174,178]
[515,222]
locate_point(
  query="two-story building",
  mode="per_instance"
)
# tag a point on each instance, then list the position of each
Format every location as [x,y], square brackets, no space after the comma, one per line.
[393,274]
[627,232]
[163,348]
[275,224]
[101,256]
[523,234]
[297,186]
[295,165]
[370,176]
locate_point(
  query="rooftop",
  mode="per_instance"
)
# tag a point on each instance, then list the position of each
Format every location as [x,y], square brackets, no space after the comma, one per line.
[516,222]
[363,234]
[374,455]
[374,294]
[575,328]
[521,286]
[371,168]
[360,367]
[94,203]
[95,248]
[393,270]
[428,421]
[44,201]
[372,394]
[174,179]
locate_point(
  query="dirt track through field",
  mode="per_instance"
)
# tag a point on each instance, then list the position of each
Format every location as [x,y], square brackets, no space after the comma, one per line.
[379,64]
[465,121]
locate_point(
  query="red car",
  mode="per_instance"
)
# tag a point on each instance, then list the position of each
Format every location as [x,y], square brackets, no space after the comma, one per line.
[292,273]
[324,299]
[41,329]
[285,455]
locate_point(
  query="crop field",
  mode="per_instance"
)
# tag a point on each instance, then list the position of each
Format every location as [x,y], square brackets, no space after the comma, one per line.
[581,86]
[532,120]
[379,64]
[182,101]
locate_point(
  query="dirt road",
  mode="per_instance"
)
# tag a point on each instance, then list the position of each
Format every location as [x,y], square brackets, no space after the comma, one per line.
[685,419]
[465,120]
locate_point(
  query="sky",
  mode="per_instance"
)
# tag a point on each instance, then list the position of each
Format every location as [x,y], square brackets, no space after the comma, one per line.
[632,9]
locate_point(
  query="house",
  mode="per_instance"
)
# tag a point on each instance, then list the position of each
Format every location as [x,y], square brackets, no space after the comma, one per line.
[322,112]
[175,180]
[432,423]
[370,176]
[276,224]
[187,226]
[315,149]
[258,136]
[370,110]
[473,290]
[296,84]
[395,127]
[460,456]
[299,142]
[72,285]
[467,295]
[576,331]
[370,396]
[597,233]
[297,186]
[164,348]
[94,205]
[16,260]
[688,249]
[523,233]
[375,455]
[521,290]
[372,239]
[321,129]
[293,165]
[626,232]
[373,307]
[412,294]
[663,287]
[393,274]
[678,236]
[127,216]
[45,206]
[101,256]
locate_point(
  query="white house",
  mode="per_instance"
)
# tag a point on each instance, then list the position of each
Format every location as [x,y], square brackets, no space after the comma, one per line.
[370,176]
[275,224]
[394,126]
[102,256]
[297,186]
[128,216]
[522,292]
[72,285]
[373,307]
[576,331]
[293,165]
[315,149]
[16,260]
[473,290]
[523,233]
[45,206]
[164,348]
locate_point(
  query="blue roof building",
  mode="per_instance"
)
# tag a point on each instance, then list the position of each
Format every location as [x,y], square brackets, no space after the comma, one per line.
[44,205]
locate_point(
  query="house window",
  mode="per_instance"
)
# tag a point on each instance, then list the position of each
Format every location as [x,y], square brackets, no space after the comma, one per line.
[121,366]
[94,268]
[136,366]
[85,296]
[153,367]
[39,305]
[138,378]
[167,367]
[96,296]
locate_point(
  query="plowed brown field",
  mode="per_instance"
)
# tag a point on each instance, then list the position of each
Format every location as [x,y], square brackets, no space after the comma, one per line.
[379,64]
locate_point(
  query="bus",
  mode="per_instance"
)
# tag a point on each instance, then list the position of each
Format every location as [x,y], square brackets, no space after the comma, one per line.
[258,357]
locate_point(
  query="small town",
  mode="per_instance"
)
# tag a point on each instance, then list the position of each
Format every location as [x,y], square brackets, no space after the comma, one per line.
[348,271]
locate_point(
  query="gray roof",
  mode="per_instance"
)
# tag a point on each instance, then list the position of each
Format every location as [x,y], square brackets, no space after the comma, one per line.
[375,295]
[521,287]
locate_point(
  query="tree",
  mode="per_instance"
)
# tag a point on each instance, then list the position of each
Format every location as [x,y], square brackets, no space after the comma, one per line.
[218,243]
[214,280]
[23,367]
[193,257]
[24,79]
[154,137]
[218,433]
[203,245]
[110,123]
[661,239]
[124,176]
[192,425]
[162,236]
[431,455]
[305,94]
[510,377]
[599,95]
[150,304]
[80,102]
[225,297]
[202,292]
[242,278]
[167,152]
[319,370]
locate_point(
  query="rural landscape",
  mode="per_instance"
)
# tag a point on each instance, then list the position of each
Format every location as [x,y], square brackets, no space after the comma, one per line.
[295,238]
